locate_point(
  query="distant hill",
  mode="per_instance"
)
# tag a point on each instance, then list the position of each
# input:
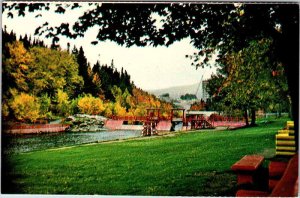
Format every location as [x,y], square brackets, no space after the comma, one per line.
[176,92]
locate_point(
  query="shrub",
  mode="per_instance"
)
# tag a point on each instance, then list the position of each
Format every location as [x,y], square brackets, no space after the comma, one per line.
[5,110]
[63,103]
[25,107]
[90,105]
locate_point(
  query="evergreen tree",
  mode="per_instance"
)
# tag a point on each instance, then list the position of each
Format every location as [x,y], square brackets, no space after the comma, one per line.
[84,70]
[96,80]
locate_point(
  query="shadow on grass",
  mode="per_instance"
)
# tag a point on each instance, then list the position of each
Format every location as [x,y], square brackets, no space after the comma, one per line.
[8,178]
[205,184]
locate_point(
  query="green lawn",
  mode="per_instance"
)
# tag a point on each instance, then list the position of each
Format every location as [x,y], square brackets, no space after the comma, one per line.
[188,164]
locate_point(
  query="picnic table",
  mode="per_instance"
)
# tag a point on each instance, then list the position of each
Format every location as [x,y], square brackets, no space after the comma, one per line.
[247,167]
[286,186]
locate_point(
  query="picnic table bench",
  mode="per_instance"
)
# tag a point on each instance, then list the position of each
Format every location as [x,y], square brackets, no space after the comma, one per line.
[287,186]
[247,168]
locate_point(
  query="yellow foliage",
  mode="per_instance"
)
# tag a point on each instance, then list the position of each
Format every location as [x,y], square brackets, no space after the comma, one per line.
[19,56]
[26,107]
[109,107]
[5,110]
[63,103]
[140,111]
[165,114]
[62,97]
[17,65]
[90,105]
[119,110]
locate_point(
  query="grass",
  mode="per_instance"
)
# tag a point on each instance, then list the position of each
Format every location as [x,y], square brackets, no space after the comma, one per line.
[187,164]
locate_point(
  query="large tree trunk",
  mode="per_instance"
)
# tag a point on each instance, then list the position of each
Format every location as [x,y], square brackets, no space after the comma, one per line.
[246,117]
[253,117]
[289,54]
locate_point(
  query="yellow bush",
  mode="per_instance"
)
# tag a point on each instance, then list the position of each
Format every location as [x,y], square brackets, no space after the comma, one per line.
[119,110]
[25,107]
[63,103]
[109,107]
[5,110]
[90,105]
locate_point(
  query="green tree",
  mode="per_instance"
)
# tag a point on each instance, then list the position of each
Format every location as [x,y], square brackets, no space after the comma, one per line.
[74,109]
[52,70]
[45,105]
[123,99]
[188,96]
[248,85]
[84,71]
[109,109]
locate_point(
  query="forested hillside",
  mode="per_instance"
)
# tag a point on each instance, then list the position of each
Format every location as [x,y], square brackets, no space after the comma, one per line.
[41,82]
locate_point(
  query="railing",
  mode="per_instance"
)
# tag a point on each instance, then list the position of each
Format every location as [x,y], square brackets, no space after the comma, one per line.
[130,118]
[212,119]
[140,118]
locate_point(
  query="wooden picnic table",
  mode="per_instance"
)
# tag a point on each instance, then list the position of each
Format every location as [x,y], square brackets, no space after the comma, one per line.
[247,167]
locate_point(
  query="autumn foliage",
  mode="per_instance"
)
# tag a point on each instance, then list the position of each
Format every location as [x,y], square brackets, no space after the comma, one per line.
[43,83]
[90,105]
[25,107]
[198,106]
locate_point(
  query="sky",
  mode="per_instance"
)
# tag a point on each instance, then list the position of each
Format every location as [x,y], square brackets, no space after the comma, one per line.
[150,68]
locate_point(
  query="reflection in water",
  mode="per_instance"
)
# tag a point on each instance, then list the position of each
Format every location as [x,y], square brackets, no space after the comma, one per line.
[26,143]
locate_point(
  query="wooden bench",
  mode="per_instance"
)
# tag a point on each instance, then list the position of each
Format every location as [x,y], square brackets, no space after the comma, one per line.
[287,186]
[276,170]
[247,167]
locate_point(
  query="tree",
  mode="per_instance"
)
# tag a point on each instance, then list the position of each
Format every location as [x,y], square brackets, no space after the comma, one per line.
[119,110]
[165,95]
[40,70]
[188,96]
[96,80]
[109,109]
[84,71]
[213,88]
[45,105]
[198,106]
[74,109]
[123,99]
[25,107]
[52,70]
[5,110]
[248,85]
[224,28]
[16,67]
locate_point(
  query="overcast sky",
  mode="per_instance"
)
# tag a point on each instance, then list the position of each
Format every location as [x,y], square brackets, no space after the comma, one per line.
[150,68]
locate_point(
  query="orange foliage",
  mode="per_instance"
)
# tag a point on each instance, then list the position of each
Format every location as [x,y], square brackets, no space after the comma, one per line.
[198,106]
[144,100]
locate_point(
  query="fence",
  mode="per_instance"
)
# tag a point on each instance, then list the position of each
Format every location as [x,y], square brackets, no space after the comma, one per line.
[36,128]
